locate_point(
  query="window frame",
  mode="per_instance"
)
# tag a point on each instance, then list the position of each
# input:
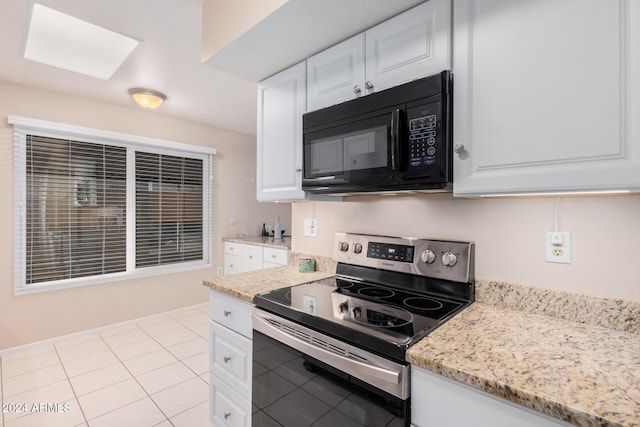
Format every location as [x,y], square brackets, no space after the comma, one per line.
[24,126]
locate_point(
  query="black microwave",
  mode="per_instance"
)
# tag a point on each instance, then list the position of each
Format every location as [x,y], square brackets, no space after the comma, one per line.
[396,140]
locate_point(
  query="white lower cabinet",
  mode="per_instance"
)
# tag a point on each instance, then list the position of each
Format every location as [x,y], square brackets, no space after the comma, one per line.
[241,258]
[439,401]
[230,360]
[228,408]
[272,257]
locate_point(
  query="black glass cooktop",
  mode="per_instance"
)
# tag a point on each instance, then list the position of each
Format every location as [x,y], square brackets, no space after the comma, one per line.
[382,319]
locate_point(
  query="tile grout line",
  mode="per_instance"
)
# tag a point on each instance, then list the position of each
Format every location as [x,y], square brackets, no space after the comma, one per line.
[75,395]
[179,360]
[98,332]
[185,365]
[166,418]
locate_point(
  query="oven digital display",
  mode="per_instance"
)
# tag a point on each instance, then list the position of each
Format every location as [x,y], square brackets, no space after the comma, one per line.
[399,253]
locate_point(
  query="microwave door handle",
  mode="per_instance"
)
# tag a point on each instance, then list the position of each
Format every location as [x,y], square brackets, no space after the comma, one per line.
[395,139]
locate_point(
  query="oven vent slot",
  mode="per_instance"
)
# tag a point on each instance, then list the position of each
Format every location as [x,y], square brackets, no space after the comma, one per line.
[357,357]
[316,341]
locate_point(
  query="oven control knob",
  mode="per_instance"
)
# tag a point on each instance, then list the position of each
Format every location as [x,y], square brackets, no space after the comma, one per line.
[357,248]
[344,246]
[356,312]
[449,259]
[428,256]
[343,307]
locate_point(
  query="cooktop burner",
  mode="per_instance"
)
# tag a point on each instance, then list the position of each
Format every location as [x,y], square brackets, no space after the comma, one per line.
[375,292]
[380,305]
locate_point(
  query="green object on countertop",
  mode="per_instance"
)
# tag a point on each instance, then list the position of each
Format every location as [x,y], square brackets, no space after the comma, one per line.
[306,265]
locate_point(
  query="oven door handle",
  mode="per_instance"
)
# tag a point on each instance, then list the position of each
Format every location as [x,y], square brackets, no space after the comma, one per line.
[262,324]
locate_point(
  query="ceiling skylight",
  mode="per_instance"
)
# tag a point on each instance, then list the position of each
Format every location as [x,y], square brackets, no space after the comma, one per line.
[72,44]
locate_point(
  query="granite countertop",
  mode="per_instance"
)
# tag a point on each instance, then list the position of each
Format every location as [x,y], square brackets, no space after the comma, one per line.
[268,242]
[582,373]
[246,285]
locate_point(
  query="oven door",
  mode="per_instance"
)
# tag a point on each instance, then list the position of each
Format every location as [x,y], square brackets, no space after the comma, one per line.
[302,377]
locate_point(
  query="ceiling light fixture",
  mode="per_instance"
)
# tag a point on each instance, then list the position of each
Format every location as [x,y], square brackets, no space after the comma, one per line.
[147,98]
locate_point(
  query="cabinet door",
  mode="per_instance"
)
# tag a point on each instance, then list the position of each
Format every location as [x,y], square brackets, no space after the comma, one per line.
[227,407]
[436,401]
[414,44]
[281,103]
[336,75]
[231,356]
[547,96]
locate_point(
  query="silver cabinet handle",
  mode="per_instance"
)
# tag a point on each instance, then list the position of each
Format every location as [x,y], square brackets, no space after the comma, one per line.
[227,415]
[368,84]
[298,169]
[356,89]
[226,359]
[227,313]
[250,256]
[459,148]
[273,256]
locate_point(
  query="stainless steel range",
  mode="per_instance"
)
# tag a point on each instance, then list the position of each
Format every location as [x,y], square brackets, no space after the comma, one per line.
[354,329]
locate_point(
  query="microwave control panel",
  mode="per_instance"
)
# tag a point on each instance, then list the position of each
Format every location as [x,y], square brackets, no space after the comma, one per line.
[423,135]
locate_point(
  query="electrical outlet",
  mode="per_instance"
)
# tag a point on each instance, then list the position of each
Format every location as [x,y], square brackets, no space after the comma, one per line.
[310,228]
[219,271]
[559,247]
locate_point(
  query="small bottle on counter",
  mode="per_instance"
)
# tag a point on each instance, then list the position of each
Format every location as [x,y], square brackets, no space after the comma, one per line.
[264,230]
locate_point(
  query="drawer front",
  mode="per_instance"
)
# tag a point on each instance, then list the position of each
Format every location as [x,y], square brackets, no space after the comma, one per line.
[230,358]
[226,407]
[233,264]
[275,256]
[253,257]
[232,248]
[231,312]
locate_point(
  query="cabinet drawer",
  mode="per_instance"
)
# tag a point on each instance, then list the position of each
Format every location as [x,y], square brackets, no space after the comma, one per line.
[253,257]
[233,264]
[231,312]
[233,248]
[275,256]
[230,358]
[226,407]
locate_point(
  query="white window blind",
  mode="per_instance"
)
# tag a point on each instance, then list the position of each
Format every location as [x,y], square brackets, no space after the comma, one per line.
[168,209]
[94,206]
[76,209]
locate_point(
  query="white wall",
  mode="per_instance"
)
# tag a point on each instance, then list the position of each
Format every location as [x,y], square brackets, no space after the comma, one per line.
[509,234]
[28,318]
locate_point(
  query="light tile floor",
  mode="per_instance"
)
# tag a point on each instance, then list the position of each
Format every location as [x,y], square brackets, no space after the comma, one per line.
[149,372]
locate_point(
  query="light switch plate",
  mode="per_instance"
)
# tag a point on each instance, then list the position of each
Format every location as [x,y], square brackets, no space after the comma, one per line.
[310,228]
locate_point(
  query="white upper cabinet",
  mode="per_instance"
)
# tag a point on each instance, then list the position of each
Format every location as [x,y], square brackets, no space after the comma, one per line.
[414,44]
[281,103]
[336,74]
[547,96]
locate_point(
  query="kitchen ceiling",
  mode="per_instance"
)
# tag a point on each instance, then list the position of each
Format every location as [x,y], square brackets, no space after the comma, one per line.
[169,57]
